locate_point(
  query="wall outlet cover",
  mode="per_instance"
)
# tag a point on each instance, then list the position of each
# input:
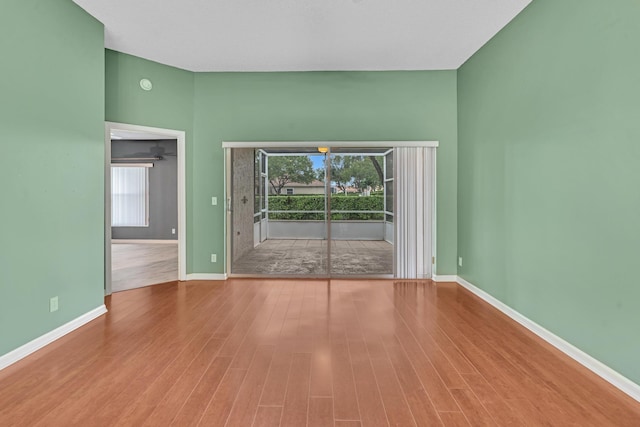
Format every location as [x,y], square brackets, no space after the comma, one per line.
[53,304]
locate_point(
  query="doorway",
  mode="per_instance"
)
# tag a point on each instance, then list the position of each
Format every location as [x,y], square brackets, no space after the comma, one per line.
[321,211]
[144,206]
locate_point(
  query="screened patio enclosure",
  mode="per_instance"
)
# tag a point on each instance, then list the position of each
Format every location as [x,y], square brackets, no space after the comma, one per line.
[315,212]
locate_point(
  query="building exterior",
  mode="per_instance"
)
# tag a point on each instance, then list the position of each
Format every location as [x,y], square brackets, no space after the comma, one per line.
[297,188]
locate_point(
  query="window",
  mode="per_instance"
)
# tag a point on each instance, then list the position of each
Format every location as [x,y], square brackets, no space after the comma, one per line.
[130,195]
[289,191]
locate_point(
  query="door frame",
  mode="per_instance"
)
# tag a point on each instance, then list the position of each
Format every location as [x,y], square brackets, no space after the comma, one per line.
[228,145]
[180,137]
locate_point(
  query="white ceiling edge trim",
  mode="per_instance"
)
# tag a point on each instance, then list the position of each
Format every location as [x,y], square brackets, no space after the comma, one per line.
[340,144]
[129,131]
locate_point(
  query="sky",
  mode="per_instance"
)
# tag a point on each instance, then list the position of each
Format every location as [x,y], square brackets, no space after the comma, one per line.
[318,161]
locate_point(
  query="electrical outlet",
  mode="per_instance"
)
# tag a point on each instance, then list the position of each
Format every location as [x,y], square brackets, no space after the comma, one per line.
[214,258]
[214,201]
[53,304]
[459,261]
[173,231]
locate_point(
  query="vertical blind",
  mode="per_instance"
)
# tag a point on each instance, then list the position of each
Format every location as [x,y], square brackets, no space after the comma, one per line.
[414,172]
[129,196]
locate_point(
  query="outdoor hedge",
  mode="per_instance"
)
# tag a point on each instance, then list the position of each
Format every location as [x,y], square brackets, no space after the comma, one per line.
[316,203]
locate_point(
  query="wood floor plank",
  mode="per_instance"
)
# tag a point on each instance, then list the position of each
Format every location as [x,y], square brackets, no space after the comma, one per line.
[296,402]
[372,410]
[268,416]
[274,326]
[275,387]
[305,352]
[454,419]
[177,395]
[321,384]
[497,407]
[431,381]
[395,403]
[475,412]
[197,402]
[221,403]
[426,319]
[446,370]
[253,335]
[320,412]
[246,402]
[241,322]
[344,390]
[347,423]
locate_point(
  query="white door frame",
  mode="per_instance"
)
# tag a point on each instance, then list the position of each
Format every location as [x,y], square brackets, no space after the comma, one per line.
[178,135]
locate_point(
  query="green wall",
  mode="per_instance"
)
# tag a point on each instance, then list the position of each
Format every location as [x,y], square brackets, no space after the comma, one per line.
[319,106]
[168,105]
[548,185]
[51,166]
[213,107]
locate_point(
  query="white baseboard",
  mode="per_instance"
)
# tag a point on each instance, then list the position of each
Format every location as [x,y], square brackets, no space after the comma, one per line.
[615,378]
[36,344]
[452,278]
[146,241]
[206,276]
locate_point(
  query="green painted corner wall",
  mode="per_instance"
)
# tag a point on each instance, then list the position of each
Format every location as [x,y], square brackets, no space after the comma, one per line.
[319,106]
[51,167]
[548,194]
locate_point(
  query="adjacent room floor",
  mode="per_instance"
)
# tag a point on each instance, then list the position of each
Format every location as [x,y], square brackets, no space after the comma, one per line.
[309,257]
[305,353]
[134,265]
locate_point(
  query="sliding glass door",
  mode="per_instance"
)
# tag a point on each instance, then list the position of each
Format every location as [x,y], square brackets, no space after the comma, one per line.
[286,206]
[360,244]
[289,216]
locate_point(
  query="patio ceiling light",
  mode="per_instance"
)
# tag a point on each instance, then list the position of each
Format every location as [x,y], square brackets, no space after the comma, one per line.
[323,149]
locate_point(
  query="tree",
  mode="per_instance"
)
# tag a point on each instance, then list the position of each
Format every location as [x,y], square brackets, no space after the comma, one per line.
[286,169]
[340,172]
[376,164]
[364,173]
[358,171]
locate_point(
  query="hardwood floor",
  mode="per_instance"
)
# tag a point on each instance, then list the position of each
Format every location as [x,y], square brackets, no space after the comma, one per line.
[134,265]
[305,353]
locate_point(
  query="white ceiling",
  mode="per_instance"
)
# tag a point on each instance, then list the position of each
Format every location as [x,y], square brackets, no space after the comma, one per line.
[302,35]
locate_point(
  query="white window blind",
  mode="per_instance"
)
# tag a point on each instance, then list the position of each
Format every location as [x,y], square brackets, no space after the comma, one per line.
[414,175]
[129,196]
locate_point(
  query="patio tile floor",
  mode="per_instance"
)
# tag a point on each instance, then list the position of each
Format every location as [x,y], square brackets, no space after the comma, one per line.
[309,257]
